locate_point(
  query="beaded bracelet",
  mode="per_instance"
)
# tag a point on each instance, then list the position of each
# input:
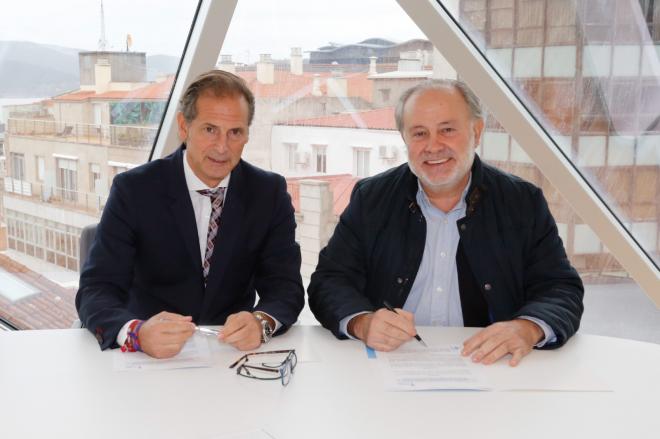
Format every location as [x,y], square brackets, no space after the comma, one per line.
[132,343]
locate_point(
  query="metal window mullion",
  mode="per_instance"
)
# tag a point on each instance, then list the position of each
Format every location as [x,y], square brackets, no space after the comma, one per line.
[201,53]
[447,36]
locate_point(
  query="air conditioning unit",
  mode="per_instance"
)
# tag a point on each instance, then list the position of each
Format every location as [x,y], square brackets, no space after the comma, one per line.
[302,158]
[388,152]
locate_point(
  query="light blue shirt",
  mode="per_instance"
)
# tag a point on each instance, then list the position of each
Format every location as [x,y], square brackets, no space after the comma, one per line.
[434,297]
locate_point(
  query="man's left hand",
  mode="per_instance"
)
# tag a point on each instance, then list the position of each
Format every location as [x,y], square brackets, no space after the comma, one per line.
[241,330]
[515,337]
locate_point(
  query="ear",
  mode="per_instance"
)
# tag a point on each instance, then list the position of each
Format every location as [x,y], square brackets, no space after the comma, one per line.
[183,126]
[478,128]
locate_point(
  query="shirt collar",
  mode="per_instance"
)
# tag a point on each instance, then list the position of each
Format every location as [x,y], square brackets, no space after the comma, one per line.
[193,182]
[461,205]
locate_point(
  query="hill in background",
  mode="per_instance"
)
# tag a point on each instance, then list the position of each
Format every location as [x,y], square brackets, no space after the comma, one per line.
[30,69]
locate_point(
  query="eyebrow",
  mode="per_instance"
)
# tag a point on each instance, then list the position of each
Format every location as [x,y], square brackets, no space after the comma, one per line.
[446,122]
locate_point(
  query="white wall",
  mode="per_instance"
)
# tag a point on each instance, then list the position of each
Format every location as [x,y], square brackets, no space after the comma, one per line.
[340,145]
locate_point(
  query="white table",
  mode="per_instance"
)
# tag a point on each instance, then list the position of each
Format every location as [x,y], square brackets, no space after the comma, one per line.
[58,384]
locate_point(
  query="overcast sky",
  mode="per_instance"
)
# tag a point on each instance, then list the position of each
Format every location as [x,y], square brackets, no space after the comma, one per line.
[259,26]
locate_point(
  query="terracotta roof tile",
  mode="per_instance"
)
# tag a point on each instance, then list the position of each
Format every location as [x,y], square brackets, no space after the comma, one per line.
[155,90]
[379,119]
[52,307]
[286,84]
[75,96]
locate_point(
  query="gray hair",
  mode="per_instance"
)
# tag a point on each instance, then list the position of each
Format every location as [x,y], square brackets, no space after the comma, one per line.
[439,84]
[219,83]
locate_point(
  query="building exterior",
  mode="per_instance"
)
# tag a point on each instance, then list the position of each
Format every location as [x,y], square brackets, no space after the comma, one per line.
[292,93]
[589,69]
[385,51]
[361,144]
[62,154]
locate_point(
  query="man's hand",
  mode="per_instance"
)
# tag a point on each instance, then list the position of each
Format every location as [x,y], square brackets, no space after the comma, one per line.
[163,335]
[383,330]
[516,337]
[241,330]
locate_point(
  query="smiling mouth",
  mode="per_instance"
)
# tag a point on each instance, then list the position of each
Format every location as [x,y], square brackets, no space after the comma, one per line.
[217,161]
[437,162]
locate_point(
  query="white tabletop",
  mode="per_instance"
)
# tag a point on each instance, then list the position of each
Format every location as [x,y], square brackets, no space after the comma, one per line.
[58,384]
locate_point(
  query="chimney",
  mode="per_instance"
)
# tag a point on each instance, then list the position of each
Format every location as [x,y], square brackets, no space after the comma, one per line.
[410,62]
[226,64]
[316,85]
[102,75]
[265,69]
[372,65]
[337,84]
[296,61]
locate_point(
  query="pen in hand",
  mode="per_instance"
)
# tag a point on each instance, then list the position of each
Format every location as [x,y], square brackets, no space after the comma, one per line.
[207,331]
[391,308]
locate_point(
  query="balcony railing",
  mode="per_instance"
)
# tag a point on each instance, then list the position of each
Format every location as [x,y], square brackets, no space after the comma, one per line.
[20,187]
[110,135]
[57,196]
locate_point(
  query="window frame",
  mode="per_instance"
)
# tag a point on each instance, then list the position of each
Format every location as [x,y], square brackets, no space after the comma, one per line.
[441,28]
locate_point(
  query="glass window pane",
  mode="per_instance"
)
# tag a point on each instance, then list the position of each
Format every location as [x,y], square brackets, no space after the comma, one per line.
[76,97]
[598,97]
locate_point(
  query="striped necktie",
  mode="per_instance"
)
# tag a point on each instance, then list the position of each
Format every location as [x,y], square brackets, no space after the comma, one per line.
[217,198]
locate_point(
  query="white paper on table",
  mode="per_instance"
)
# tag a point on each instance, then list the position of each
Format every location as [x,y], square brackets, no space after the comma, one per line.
[414,367]
[195,353]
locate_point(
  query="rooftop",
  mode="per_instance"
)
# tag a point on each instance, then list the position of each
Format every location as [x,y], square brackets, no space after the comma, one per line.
[153,91]
[45,303]
[379,119]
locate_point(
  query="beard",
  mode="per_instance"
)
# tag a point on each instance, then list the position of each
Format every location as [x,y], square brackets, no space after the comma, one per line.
[443,183]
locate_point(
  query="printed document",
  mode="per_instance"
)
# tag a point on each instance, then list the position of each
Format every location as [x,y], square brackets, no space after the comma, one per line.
[414,367]
[195,353]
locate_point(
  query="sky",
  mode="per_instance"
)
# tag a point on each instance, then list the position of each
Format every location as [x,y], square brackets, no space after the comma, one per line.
[258,26]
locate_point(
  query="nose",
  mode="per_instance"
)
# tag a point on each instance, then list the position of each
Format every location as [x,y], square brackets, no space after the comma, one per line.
[436,143]
[220,142]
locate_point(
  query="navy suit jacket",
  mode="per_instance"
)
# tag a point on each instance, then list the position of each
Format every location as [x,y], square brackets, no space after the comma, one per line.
[146,259]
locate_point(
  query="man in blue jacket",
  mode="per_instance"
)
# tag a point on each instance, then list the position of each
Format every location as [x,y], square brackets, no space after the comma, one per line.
[194,237]
[448,241]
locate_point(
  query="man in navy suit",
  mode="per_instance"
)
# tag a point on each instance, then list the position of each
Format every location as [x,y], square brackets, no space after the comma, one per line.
[192,238]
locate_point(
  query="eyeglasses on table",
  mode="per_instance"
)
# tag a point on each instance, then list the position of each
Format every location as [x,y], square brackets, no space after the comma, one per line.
[267,370]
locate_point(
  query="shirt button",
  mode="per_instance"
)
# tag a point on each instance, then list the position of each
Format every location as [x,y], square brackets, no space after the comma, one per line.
[445,221]
[443,254]
[439,290]
[488,287]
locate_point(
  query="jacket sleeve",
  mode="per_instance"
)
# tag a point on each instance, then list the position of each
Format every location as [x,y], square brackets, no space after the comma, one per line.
[108,273]
[277,276]
[553,289]
[336,289]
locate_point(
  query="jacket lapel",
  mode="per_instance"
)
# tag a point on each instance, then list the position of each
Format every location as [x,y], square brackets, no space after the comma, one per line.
[230,227]
[182,210]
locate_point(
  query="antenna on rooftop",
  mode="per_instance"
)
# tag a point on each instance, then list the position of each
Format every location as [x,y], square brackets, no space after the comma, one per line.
[102,41]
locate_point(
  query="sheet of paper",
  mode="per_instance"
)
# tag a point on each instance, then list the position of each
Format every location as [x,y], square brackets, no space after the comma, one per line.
[413,367]
[195,353]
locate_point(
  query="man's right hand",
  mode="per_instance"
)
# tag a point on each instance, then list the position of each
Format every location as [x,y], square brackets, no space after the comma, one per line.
[383,330]
[163,335]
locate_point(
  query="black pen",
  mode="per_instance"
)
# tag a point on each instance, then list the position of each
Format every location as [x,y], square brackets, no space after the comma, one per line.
[391,308]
